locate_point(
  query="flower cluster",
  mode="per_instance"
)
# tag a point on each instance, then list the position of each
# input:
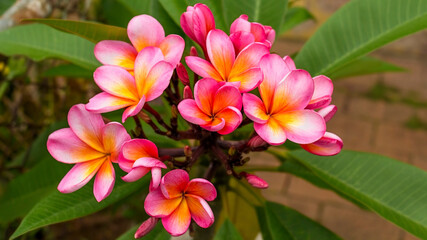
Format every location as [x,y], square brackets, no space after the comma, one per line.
[236,72]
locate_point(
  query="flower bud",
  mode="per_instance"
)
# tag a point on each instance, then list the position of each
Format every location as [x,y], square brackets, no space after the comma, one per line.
[187,92]
[144,117]
[193,52]
[187,151]
[256,142]
[182,74]
[196,22]
[146,227]
[255,181]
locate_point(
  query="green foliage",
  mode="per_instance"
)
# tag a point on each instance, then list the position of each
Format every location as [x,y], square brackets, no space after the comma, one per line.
[391,188]
[39,42]
[282,223]
[5,4]
[68,70]
[228,231]
[158,233]
[295,16]
[358,28]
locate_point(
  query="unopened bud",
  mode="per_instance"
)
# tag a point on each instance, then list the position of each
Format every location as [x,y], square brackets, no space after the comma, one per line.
[146,227]
[231,151]
[187,92]
[144,117]
[256,142]
[193,51]
[255,181]
[182,74]
[174,111]
[187,151]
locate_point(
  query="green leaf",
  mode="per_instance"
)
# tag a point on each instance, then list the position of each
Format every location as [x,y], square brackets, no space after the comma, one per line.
[395,190]
[270,12]
[295,16]
[59,207]
[175,8]
[91,31]
[5,4]
[158,233]
[39,42]
[68,70]
[358,28]
[228,231]
[364,65]
[283,223]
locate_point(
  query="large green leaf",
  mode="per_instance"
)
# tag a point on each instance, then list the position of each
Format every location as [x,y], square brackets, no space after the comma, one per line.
[91,31]
[267,12]
[5,4]
[158,233]
[39,42]
[364,65]
[227,231]
[395,190]
[68,70]
[295,16]
[59,207]
[358,28]
[283,223]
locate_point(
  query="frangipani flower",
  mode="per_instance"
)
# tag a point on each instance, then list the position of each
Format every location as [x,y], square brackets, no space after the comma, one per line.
[196,22]
[178,200]
[122,90]
[137,158]
[330,144]
[242,71]
[143,31]
[90,144]
[281,113]
[216,106]
[243,33]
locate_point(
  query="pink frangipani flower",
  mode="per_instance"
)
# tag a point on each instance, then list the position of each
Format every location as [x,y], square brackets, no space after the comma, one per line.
[196,22]
[122,90]
[216,106]
[90,144]
[330,144]
[243,71]
[143,31]
[178,200]
[280,114]
[243,33]
[137,158]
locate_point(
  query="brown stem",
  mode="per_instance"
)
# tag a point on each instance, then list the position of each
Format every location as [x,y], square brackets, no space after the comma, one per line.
[210,172]
[150,122]
[156,115]
[139,132]
[245,121]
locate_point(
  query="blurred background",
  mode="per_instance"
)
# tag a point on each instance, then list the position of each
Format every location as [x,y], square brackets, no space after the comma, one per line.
[382,113]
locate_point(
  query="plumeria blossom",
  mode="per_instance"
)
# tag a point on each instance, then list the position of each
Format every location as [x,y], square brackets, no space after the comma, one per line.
[137,158]
[178,200]
[122,90]
[196,22]
[243,33]
[243,71]
[92,146]
[330,144]
[216,106]
[280,114]
[143,31]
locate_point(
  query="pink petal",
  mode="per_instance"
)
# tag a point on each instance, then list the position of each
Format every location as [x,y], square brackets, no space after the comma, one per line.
[292,93]
[271,131]
[66,147]
[241,40]
[146,227]
[104,181]
[330,144]
[215,125]
[192,113]
[174,183]
[125,164]
[203,68]
[139,148]
[118,53]
[271,34]
[200,211]
[149,162]
[323,89]
[156,205]
[201,188]
[204,94]
[105,102]
[240,24]
[114,135]
[187,23]
[226,96]
[256,181]
[172,48]
[302,126]
[204,22]
[249,80]
[248,58]
[145,31]
[221,52]
[144,62]
[258,31]
[116,81]
[178,222]
[157,80]
[135,174]
[328,112]
[156,177]
[87,126]
[289,63]
[254,108]
[133,110]
[79,175]
[232,119]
